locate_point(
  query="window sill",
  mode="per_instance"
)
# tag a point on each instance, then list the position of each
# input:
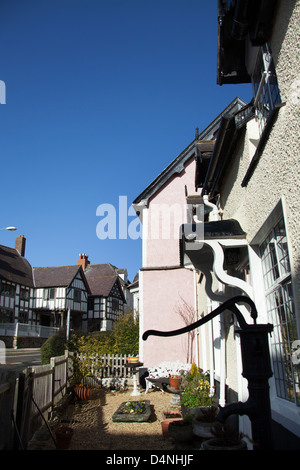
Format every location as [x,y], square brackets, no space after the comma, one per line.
[287,414]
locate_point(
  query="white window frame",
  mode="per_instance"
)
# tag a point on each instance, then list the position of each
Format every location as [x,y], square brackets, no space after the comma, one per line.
[284,411]
[49,293]
[281,313]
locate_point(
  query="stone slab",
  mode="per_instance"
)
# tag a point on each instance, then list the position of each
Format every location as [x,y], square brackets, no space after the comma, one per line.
[119,417]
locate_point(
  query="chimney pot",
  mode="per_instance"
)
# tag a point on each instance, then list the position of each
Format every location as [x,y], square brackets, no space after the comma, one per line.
[83,261]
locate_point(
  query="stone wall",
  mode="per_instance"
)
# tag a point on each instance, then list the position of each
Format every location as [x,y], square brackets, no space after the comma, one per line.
[22,341]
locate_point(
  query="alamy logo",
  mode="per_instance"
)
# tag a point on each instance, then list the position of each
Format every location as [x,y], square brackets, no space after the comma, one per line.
[162,222]
[2,92]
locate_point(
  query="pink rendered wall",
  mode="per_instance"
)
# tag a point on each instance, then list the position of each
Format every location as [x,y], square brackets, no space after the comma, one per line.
[163,290]
[162,295]
[162,238]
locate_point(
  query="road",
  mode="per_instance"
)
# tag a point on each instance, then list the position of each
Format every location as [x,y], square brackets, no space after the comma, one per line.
[19,359]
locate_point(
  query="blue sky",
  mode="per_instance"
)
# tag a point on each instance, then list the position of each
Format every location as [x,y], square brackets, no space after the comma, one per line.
[101,95]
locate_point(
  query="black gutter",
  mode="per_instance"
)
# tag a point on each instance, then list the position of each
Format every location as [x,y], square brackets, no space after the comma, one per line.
[226,140]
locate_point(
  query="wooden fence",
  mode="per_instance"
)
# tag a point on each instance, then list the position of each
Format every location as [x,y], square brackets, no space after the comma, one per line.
[111,366]
[29,397]
[15,407]
[50,385]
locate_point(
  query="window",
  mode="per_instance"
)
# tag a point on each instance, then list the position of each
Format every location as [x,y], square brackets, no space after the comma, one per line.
[8,290]
[281,312]
[49,294]
[23,317]
[24,294]
[115,304]
[77,295]
[91,302]
[265,86]
[6,316]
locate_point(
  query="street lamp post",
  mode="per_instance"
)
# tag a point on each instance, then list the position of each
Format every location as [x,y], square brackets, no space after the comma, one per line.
[11,229]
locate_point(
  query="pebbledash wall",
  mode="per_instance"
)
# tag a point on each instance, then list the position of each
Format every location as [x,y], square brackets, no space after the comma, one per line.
[277,174]
[274,186]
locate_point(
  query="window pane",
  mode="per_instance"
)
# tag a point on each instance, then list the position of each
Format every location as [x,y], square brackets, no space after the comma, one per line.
[281,312]
[282,249]
[77,295]
[52,293]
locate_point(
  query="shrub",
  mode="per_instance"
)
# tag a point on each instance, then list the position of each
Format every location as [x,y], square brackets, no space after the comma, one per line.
[196,389]
[53,346]
[105,340]
[124,339]
[126,336]
[85,348]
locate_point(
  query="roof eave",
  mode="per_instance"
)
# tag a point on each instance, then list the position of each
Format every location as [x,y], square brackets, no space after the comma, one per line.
[242,21]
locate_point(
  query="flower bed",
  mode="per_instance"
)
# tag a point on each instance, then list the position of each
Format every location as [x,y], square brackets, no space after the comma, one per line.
[132,411]
[133,407]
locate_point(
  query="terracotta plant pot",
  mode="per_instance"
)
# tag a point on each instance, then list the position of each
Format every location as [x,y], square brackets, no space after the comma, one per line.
[82,392]
[63,436]
[174,381]
[169,417]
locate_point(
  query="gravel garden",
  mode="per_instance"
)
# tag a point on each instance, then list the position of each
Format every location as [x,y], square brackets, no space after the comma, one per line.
[94,428]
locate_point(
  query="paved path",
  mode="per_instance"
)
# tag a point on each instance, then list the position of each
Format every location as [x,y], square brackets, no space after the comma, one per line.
[19,359]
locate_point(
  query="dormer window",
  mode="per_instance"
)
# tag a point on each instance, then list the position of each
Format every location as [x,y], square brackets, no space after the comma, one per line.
[265,86]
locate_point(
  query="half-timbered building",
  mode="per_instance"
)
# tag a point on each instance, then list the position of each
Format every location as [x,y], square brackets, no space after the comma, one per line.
[106,300]
[16,284]
[60,291]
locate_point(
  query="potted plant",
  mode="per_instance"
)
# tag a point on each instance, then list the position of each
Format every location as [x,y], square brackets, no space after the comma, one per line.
[182,430]
[85,363]
[226,438]
[174,381]
[132,359]
[169,417]
[63,436]
[195,394]
[204,422]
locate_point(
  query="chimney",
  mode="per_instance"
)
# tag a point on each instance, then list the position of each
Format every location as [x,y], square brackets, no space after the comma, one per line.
[20,244]
[83,261]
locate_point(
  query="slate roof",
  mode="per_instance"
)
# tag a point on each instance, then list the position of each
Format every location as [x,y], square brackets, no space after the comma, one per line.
[14,267]
[60,276]
[98,278]
[135,282]
[101,279]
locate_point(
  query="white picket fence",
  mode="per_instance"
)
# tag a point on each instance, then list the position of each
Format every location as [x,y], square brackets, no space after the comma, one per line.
[111,365]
